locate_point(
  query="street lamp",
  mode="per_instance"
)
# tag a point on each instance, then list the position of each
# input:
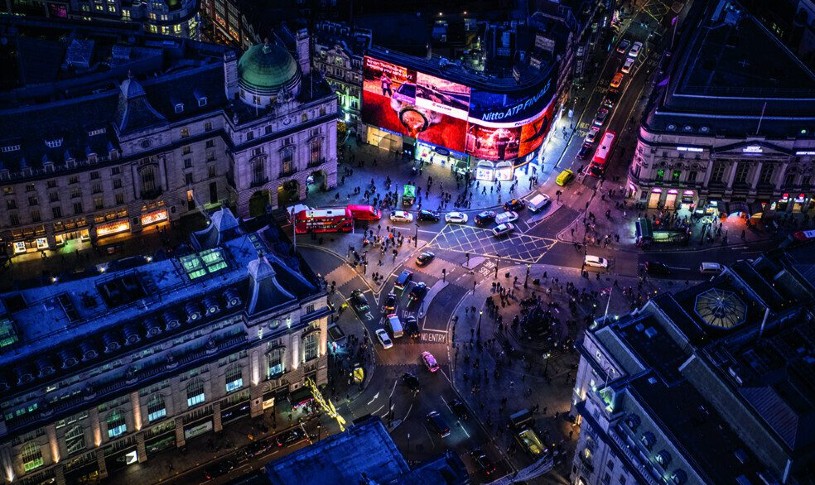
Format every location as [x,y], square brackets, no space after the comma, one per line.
[526,279]
[407,455]
[546,357]
[416,237]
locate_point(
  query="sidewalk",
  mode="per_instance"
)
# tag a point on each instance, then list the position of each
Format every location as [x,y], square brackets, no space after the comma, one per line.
[533,356]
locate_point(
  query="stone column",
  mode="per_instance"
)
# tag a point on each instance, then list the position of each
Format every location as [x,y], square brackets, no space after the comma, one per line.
[180,440]
[141,449]
[216,418]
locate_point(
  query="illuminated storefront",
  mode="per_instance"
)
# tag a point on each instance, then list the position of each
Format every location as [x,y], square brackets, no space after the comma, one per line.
[441,120]
[111,228]
[154,217]
[29,239]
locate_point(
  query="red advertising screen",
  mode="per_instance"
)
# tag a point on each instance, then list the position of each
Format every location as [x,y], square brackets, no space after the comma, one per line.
[533,133]
[493,143]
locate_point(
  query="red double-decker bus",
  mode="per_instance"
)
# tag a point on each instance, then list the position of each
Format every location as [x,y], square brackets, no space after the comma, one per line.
[600,159]
[365,212]
[323,220]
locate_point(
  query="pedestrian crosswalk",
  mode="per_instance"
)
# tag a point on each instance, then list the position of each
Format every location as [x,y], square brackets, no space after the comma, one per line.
[342,274]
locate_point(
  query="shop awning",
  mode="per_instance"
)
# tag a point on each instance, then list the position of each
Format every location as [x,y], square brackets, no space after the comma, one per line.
[300,396]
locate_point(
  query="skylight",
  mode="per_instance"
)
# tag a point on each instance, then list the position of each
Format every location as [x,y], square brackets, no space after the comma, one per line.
[8,335]
[205,262]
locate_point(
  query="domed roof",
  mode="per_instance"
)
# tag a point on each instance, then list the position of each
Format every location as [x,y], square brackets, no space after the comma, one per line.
[267,68]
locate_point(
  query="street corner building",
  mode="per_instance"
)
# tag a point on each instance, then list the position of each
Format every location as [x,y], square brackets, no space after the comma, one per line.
[711,384]
[109,370]
[730,125]
[108,132]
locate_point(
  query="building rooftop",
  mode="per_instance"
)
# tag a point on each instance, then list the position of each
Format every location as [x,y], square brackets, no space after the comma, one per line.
[728,74]
[63,327]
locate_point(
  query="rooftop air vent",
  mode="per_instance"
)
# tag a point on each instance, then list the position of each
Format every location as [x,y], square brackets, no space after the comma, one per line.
[111,342]
[44,367]
[211,305]
[87,350]
[171,321]
[68,358]
[232,298]
[152,327]
[192,311]
[131,334]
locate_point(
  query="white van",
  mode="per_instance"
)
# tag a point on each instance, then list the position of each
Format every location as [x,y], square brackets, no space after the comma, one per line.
[395,325]
[538,202]
[710,268]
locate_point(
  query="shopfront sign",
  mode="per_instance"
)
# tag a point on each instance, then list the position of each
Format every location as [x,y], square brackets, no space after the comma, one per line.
[154,217]
[112,228]
[504,171]
[753,149]
[690,149]
[19,247]
[485,171]
[198,429]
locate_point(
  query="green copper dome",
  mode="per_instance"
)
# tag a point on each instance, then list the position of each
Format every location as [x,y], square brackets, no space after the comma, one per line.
[266,68]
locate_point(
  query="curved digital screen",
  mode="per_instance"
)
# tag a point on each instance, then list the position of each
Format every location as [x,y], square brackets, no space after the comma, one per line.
[441,112]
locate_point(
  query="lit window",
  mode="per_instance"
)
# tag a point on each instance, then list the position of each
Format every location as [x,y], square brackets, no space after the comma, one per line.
[32,457]
[156,409]
[195,393]
[234,379]
[116,424]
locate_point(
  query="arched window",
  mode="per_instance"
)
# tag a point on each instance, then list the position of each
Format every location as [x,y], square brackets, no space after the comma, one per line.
[678,477]
[156,409]
[310,346]
[663,458]
[117,425]
[258,171]
[195,393]
[648,439]
[234,378]
[32,457]
[274,362]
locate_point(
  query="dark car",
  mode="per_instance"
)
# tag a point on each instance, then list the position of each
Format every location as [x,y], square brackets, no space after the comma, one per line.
[611,99]
[217,469]
[359,301]
[437,424]
[484,218]
[656,268]
[258,448]
[411,381]
[290,437]
[425,258]
[404,278]
[485,466]
[418,292]
[426,215]
[514,205]
[411,326]
[459,409]
[390,302]
[585,150]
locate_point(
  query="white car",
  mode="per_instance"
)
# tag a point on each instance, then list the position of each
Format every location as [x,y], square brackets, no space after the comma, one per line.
[591,137]
[595,262]
[455,218]
[401,216]
[508,216]
[628,64]
[635,49]
[384,338]
[503,229]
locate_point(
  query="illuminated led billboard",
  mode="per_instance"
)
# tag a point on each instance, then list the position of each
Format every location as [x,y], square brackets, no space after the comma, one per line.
[444,113]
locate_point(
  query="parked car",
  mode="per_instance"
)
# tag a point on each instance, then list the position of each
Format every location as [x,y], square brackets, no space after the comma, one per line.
[508,216]
[455,218]
[623,46]
[564,177]
[595,262]
[591,136]
[530,442]
[617,80]
[426,215]
[628,64]
[502,230]
[514,205]
[437,424]
[484,218]
[418,292]
[601,117]
[635,49]
[611,98]
[384,338]
[430,361]
[390,303]
[485,466]
[425,258]
[710,268]
[218,469]
[403,279]
[359,301]
[411,381]
[412,327]
[657,268]
[258,448]
[459,409]
[401,216]
[585,150]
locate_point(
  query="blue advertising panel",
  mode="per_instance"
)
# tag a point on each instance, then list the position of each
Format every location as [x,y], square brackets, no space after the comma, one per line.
[509,109]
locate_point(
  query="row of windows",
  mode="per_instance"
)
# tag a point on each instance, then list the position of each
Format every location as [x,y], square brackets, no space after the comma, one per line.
[72,180]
